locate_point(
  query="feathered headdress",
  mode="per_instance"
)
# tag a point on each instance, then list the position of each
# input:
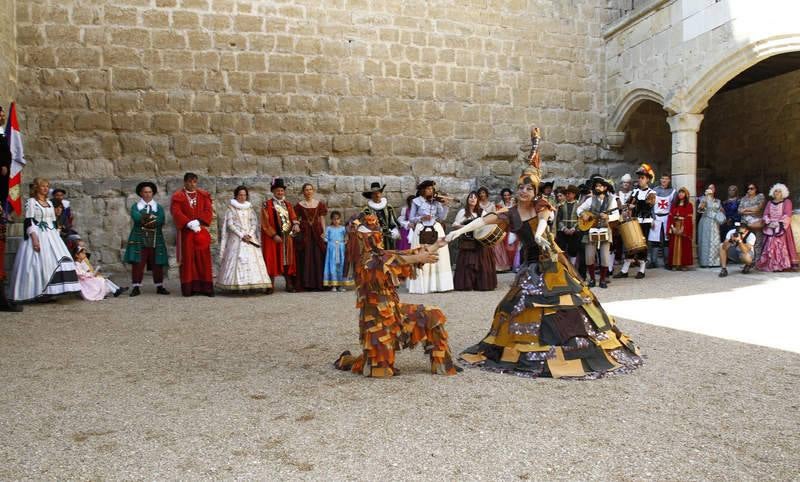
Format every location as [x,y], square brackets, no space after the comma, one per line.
[532,174]
[646,170]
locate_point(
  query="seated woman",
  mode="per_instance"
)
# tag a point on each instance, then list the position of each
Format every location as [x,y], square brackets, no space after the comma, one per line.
[94,287]
[549,324]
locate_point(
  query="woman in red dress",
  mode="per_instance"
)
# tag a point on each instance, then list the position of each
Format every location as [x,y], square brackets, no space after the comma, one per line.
[679,227]
[311,250]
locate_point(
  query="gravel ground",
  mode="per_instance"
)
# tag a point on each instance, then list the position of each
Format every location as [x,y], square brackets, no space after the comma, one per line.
[231,387]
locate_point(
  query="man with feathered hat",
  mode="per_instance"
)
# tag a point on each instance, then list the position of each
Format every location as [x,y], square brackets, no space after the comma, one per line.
[640,203]
[146,247]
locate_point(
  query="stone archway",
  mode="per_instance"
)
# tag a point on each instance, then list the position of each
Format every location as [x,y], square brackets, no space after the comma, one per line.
[647,136]
[688,104]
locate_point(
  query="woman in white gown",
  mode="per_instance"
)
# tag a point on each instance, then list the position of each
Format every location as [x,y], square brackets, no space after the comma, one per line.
[427,212]
[43,266]
[242,268]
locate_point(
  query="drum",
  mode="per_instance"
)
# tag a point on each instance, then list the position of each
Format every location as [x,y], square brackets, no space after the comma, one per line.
[598,235]
[632,238]
[489,235]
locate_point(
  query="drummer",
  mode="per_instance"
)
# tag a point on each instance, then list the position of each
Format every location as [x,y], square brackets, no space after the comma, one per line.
[641,202]
[601,206]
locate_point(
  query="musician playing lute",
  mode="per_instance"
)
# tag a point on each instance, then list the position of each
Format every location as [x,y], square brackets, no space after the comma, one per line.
[601,206]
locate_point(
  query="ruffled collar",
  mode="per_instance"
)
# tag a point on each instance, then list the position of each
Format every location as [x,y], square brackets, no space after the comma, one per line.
[238,205]
[153,205]
[377,206]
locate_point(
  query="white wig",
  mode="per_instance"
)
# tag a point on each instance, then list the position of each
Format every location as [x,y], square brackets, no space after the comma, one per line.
[779,187]
[626,178]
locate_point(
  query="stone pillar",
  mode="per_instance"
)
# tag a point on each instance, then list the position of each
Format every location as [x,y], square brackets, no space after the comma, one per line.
[684,128]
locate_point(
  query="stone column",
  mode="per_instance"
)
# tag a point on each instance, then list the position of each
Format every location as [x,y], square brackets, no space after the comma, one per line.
[684,128]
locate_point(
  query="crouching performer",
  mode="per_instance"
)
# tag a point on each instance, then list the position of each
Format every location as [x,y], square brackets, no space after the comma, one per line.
[386,324]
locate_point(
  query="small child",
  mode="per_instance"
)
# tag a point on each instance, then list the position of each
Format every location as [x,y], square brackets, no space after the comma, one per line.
[336,237]
[94,287]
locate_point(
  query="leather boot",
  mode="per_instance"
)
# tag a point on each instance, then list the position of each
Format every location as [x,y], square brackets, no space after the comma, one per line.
[5,303]
[603,276]
[590,272]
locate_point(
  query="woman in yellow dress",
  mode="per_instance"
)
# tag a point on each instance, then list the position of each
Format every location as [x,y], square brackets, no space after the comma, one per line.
[549,323]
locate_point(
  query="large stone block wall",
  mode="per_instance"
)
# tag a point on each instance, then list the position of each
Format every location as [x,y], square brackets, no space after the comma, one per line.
[335,92]
[8,52]
[763,144]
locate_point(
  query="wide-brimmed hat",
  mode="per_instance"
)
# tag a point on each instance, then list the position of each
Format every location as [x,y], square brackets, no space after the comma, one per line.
[373,188]
[277,183]
[595,179]
[145,184]
[573,189]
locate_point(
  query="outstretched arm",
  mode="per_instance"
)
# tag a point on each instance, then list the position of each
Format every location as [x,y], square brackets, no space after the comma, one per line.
[491,218]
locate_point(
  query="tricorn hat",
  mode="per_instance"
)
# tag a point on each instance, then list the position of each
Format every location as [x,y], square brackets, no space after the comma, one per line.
[277,183]
[145,184]
[373,188]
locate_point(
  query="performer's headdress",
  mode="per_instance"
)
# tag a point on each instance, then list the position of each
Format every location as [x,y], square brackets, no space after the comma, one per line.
[425,184]
[626,178]
[145,184]
[573,189]
[532,174]
[646,170]
[373,188]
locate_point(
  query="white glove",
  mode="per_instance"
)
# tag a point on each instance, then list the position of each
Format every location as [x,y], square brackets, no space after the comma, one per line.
[472,226]
[395,233]
[194,225]
[543,243]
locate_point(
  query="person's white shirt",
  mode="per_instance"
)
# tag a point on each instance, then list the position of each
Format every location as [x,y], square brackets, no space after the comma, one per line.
[749,239]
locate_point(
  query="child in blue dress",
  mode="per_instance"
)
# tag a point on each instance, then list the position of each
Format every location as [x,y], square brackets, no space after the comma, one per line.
[336,237]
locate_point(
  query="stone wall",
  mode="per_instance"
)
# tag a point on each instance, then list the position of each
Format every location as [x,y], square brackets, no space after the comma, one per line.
[336,92]
[752,134]
[8,53]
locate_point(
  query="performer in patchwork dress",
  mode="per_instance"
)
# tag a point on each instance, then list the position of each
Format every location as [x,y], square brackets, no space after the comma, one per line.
[43,266]
[549,323]
[241,268]
[385,324]
[427,213]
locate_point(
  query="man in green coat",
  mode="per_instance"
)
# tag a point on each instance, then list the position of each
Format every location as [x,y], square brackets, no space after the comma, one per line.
[146,246]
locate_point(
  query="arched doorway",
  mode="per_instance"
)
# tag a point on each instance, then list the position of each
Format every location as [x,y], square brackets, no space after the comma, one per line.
[648,137]
[751,128]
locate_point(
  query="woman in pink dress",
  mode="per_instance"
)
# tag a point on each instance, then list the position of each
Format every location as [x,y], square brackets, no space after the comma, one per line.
[506,249]
[779,252]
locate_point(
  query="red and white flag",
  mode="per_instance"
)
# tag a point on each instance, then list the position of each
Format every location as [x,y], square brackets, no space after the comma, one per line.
[17,160]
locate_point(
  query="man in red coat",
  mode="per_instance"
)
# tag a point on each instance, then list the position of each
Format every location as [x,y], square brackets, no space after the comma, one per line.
[279,225]
[192,212]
